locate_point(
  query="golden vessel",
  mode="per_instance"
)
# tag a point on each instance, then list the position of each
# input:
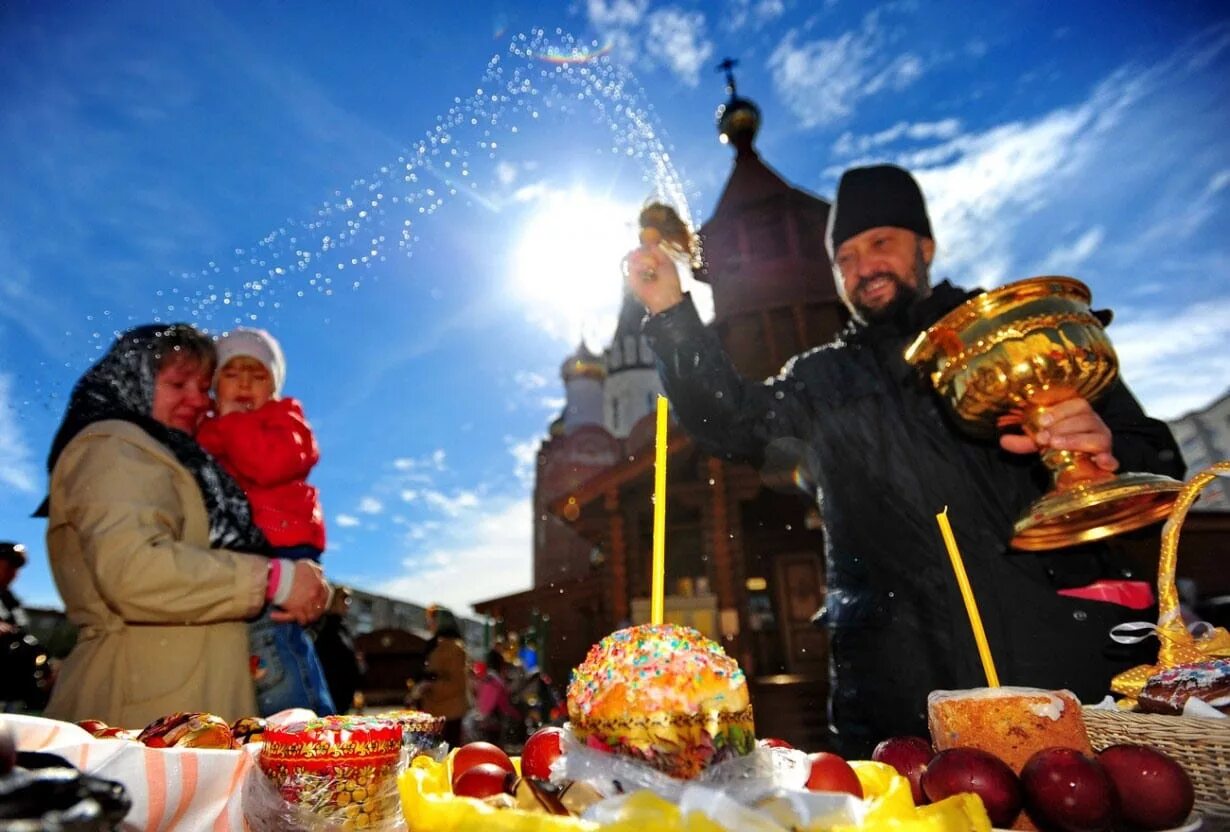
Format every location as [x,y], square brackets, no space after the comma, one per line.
[1002,358]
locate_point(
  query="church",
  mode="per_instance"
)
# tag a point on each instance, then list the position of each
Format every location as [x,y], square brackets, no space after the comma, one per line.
[744,547]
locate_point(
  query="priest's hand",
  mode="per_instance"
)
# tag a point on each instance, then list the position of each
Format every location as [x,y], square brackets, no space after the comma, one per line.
[651,275]
[1070,425]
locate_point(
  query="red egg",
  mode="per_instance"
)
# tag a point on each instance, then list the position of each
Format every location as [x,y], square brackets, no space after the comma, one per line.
[540,751]
[957,770]
[1154,791]
[482,780]
[830,773]
[774,742]
[1067,791]
[477,753]
[909,756]
[92,726]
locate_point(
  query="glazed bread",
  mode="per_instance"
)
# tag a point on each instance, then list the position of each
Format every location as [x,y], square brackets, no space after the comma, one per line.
[649,669]
[664,694]
[1011,723]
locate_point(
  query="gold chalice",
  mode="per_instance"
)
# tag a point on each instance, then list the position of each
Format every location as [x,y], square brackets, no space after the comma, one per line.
[1000,360]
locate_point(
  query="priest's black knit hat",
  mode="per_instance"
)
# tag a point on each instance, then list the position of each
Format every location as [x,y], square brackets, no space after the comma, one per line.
[875,196]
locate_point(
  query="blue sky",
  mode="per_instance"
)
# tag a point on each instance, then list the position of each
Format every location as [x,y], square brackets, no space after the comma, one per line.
[427,203]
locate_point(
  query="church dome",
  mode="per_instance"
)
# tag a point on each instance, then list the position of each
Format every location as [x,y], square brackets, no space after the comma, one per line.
[583,364]
[738,121]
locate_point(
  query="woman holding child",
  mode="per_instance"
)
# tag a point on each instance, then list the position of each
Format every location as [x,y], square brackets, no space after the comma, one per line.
[152,546]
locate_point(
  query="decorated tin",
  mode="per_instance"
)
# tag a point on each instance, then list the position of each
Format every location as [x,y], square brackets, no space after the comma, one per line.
[339,769]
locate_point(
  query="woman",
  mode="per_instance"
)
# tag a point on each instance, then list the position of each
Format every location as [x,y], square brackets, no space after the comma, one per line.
[152,546]
[494,708]
[446,692]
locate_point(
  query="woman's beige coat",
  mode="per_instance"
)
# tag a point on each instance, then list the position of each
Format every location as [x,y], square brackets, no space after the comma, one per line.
[161,615]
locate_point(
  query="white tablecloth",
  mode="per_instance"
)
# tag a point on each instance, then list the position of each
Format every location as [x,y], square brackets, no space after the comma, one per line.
[181,789]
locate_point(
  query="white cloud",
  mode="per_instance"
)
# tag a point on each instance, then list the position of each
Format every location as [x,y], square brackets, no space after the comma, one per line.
[1065,259]
[1219,182]
[453,505]
[530,193]
[757,13]
[471,561]
[1182,219]
[981,187]
[525,456]
[422,531]
[370,505]
[346,521]
[433,461]
[822,80]
[669,37]
[616,12]
[1151,345]
[527,380]
[677,40]
[505,173]
[16,467]
[850,145]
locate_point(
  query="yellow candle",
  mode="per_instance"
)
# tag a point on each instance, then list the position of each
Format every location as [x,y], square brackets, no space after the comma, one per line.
[657,601]
[971,607]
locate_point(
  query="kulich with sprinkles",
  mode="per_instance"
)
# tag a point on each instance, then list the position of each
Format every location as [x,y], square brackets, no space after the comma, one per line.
[664,694]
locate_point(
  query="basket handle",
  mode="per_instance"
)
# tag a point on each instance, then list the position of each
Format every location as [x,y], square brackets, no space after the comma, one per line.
[1177,643]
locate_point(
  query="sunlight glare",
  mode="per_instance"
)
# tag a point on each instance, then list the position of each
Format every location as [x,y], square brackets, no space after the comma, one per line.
[567,262]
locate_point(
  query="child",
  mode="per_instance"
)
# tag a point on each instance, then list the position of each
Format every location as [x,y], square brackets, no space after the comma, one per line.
[264,442]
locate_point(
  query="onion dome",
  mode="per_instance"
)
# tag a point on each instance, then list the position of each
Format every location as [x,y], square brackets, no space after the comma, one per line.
[738,120]
[583,364]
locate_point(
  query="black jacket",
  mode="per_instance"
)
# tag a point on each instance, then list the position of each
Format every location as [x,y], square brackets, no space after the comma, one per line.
[870,436]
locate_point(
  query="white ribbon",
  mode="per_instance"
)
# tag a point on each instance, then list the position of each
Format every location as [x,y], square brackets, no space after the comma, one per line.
[1126,633]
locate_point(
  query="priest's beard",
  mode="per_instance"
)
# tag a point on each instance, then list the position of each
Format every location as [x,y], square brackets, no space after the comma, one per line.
[897,310]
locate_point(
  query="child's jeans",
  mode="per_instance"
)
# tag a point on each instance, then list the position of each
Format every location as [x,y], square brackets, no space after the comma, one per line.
[285,667]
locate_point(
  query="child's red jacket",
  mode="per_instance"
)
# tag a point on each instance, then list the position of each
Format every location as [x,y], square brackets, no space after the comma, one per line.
[270,451]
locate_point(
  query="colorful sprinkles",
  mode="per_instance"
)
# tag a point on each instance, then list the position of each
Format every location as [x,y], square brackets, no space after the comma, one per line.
[655,668]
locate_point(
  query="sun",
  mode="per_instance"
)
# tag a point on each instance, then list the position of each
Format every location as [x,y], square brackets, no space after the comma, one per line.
[567,261]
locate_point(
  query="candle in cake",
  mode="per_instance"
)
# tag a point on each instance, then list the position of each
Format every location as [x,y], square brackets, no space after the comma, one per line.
[971,607]
[657,596]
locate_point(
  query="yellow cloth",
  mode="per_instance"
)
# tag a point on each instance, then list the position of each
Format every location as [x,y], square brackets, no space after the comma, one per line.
[429,805]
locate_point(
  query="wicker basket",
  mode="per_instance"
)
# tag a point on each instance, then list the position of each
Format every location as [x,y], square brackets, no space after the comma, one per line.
[1201,746]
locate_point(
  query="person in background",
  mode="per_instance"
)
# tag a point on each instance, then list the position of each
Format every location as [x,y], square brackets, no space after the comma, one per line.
[263,440]
[334,644]
[494,710]
[25,674]
[445,690]
[882,459]
[152,545]
[12,616]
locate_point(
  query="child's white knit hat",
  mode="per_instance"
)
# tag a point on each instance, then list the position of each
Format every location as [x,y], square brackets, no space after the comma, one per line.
[253,343]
